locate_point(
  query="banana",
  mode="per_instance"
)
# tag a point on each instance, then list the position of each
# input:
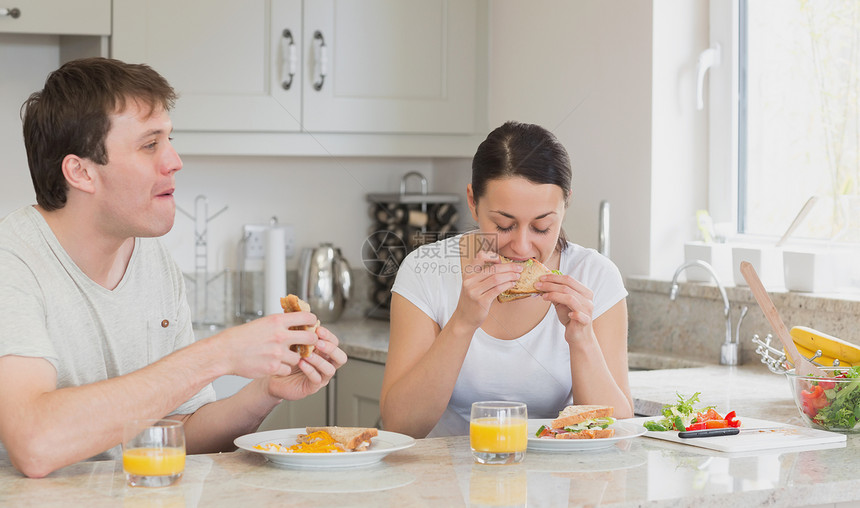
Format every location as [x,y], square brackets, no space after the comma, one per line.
[824,361]
[829,345]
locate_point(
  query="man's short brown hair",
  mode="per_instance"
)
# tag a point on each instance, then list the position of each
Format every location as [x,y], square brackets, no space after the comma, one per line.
[71,115]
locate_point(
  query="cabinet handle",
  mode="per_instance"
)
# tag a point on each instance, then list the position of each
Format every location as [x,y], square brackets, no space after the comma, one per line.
[290,59]
[320,60]
[13,13]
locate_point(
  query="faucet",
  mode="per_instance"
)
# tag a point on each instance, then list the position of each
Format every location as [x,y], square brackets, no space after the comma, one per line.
[729,349]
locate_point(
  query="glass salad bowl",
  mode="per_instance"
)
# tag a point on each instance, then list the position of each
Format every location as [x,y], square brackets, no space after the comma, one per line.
[828,403]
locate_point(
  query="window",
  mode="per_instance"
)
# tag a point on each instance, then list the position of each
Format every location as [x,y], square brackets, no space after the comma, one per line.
[794,119]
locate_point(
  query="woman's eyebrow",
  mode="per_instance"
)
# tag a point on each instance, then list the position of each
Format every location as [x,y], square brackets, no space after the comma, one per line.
[509,216]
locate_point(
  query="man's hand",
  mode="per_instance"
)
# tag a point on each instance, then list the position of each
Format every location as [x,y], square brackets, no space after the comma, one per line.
[313,373]
[262,347]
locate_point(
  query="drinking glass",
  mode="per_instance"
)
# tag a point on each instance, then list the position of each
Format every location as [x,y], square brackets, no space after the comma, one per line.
[498,432]
[153,452]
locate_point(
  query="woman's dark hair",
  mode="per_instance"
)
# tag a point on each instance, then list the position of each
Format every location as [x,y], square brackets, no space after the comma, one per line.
[71,115]
[525,150]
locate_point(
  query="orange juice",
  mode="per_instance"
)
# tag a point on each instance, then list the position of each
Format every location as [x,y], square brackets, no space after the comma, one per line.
[491,435]
[153,461]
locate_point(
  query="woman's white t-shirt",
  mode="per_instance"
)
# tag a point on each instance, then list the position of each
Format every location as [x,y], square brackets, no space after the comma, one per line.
[534,368]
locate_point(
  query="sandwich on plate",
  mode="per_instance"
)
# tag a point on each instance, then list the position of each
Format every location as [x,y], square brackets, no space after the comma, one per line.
[351,439]
[580,422]
[292,303]
[525,285]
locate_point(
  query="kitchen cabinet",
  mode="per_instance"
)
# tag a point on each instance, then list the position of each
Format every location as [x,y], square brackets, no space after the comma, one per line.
[355,389]
[83,27]
[314,77]
[291,414]
[56,17]
[357,385]
[393,66]
[223,57]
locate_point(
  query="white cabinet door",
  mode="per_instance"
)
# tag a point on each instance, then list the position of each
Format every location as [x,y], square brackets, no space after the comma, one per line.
[225,58]
[63,17]
[405,66]
[292,414]
[357,386]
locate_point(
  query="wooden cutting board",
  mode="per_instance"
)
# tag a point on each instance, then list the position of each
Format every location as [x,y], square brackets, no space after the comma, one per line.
[779,435]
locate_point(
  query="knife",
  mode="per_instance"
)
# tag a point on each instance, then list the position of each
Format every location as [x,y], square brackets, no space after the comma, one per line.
[726,431]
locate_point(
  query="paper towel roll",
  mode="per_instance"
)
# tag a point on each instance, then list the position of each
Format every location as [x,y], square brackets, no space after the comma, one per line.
[275,271]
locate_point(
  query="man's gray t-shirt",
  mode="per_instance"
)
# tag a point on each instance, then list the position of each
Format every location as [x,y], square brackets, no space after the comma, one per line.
[52,310]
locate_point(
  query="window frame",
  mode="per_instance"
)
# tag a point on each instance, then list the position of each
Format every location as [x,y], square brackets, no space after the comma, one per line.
[723,115]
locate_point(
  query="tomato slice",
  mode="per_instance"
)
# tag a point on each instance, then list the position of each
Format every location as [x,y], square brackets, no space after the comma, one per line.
[819,403]
[827,385]
[731,418]
[816,392]
[710,414]
[809,409]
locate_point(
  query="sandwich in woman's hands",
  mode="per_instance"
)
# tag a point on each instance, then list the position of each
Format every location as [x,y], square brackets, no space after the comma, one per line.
[580,422]
[292,303]
[525,285]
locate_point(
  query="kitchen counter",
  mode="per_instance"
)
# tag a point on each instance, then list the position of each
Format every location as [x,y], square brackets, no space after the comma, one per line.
[367,339]
[362,338]
[440,472]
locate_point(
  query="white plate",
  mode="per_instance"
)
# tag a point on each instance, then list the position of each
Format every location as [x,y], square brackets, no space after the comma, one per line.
[380,446]
[623,430]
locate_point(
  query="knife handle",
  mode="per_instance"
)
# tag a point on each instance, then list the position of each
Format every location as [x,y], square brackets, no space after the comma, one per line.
[729,431]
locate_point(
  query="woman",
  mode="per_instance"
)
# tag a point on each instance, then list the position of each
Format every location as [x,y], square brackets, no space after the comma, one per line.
[452,342]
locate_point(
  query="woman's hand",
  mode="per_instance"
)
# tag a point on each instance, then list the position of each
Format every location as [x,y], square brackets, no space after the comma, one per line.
[313,372]
[573,303]
[484,278]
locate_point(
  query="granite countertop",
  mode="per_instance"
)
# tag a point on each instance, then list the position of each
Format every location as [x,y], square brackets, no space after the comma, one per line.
[362,338]
[441,472]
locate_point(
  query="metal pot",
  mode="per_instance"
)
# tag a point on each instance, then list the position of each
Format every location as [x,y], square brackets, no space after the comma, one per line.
[325,281]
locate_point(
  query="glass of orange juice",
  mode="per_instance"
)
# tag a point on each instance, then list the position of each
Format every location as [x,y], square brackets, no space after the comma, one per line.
[153,452]
[498,432]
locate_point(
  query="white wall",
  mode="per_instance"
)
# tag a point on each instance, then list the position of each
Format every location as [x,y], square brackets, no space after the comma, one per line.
[680,150]
[614,81]
[583,70]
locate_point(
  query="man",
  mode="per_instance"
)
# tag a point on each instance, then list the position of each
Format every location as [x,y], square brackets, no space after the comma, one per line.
[96,328]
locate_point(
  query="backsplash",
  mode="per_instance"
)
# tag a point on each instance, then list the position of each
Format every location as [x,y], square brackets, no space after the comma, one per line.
[693,326]
[224,298]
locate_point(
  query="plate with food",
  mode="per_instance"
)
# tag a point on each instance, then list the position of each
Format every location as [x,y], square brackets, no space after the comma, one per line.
[324,447]
[580,428]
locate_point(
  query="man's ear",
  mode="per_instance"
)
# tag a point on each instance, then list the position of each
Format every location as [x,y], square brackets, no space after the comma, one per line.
[470,197]
[79,173]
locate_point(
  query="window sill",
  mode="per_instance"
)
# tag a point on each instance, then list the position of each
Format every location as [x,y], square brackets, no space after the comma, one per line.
[806,268]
